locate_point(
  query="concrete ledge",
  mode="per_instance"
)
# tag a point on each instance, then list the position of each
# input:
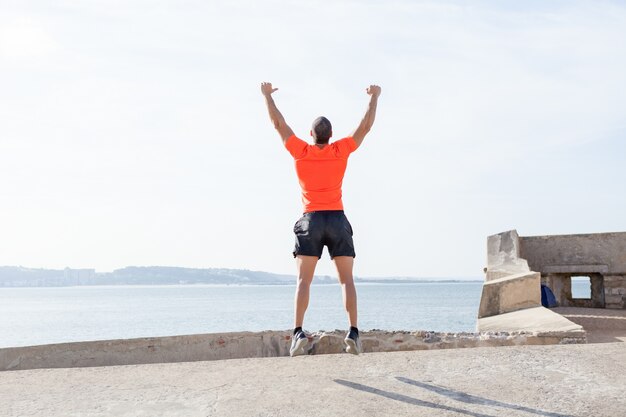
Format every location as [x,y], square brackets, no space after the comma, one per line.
[188,348]
[585,250]
[539,320]
[207,347]
[510,293]
[580,269]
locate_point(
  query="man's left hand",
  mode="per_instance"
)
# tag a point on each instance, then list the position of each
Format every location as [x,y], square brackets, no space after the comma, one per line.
[267,90]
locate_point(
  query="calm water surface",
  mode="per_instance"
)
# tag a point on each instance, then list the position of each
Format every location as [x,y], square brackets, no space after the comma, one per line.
[30,316]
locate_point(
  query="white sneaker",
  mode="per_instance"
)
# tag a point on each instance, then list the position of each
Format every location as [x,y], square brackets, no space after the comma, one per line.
[353,343]
[298,344]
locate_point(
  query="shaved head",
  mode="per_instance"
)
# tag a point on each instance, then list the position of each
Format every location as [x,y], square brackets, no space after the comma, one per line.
[321,130]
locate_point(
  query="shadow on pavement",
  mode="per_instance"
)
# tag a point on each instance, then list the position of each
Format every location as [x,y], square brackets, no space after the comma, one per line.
[455,395]
[407,399]
[473,399]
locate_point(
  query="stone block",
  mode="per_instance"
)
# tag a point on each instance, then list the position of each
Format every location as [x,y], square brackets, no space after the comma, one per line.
[603,253]
[614,301]
[612,278]
[493,274]
[503,256]
[575,269]
[512,293]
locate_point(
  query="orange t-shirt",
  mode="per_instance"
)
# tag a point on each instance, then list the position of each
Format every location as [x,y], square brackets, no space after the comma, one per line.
[320,171]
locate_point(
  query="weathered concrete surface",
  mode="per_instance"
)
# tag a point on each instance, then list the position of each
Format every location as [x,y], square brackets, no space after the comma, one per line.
[520,381]
[561,286]
[601,325]
[510,293]
[600,256]
[147,350]
[509,284]
[539,320]
[503,256]
[592,253]
[204,347]
[615,291]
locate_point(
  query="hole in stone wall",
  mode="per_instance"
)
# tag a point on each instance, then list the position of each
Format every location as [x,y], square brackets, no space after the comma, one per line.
[581,287]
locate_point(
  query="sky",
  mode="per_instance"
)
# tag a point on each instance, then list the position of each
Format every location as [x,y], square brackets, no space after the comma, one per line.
[134,132]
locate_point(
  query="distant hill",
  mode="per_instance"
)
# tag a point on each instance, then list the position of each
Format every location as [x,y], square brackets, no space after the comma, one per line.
[18,276]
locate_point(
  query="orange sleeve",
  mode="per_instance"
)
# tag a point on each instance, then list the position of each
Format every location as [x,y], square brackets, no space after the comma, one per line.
[345,146]
[295,146]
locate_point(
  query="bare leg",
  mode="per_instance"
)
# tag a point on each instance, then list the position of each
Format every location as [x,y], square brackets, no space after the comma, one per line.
[344,270]
[306,269]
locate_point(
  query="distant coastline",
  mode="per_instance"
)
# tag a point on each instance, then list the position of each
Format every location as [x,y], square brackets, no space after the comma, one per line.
[18,276]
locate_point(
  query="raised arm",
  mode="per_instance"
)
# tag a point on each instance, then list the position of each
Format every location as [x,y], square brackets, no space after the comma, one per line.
[368,120]
[277,118]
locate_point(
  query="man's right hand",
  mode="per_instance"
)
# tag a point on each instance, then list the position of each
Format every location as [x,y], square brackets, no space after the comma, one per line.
[372,90]
[267,90]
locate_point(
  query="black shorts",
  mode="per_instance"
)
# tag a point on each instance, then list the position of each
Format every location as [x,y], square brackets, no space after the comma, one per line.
[317,229]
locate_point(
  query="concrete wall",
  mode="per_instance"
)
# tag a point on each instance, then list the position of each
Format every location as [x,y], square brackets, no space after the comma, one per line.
[503,256]
[600,256]
[603,253]
[203,347]
[561,286]
[509,285]
[615,291]
[510,293]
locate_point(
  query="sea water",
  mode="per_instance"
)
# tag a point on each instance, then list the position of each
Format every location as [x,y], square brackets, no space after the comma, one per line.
[32,316]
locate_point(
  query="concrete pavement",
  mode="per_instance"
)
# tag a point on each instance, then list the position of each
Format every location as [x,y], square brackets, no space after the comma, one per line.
[602,325]
[556,380]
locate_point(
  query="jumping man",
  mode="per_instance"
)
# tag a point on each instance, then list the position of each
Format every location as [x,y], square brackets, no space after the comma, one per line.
[320,169]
